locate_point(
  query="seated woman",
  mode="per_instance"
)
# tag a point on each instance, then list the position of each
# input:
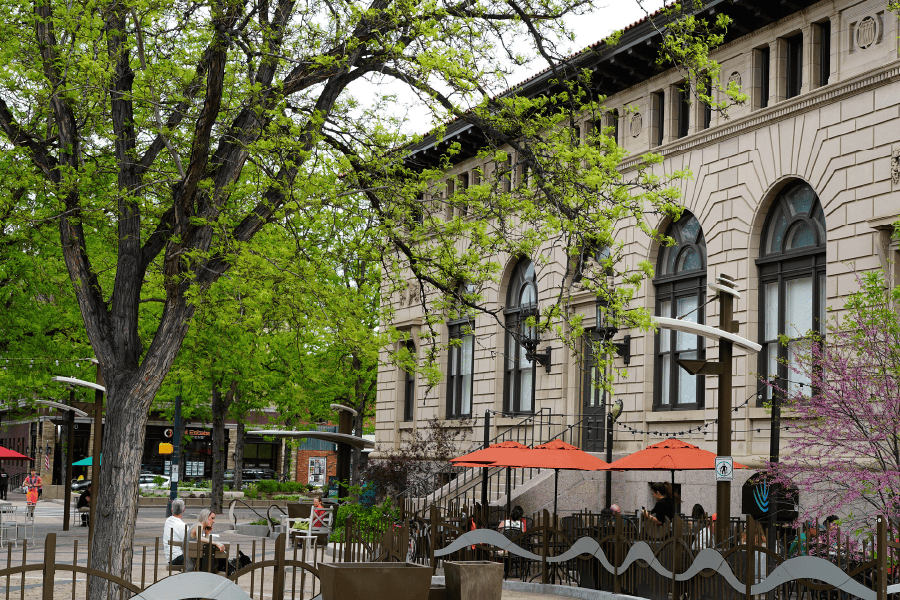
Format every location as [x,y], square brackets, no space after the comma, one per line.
[84,507]
[515,520]
[201,531]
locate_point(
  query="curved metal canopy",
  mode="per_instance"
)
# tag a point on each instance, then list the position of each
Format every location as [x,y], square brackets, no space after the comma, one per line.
[79,382]
[328,436]
[24,403]
[708,332]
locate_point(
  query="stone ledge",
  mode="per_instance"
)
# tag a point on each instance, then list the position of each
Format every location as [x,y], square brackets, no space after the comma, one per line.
[548,589]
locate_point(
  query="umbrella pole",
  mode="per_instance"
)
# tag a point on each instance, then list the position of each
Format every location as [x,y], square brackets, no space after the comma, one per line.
[508,492]
[555,489]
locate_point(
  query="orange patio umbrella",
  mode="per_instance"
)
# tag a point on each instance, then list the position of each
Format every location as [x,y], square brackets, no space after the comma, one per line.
[669,455]
[503,454]
[557,455]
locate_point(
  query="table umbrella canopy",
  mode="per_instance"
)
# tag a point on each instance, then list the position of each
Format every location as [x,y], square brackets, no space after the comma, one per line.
[503,454]
[7,454]
[87,462]
[558,455]
[669,455]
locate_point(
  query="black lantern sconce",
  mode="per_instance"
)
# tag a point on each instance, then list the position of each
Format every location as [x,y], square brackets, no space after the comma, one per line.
[606,329]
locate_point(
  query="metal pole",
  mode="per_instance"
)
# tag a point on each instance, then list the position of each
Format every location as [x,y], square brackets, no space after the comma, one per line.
[176,453]
[723,446]
[345,425]
[609,442]
[774,456]
[484,471]
[70,442]
[95,459]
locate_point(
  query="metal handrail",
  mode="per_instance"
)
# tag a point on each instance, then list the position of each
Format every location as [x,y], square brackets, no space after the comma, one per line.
[233,519]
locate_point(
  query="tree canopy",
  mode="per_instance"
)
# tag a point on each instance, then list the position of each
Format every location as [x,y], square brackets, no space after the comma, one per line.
[161,137]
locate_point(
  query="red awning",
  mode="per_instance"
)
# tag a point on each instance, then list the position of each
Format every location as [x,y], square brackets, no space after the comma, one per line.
[503,454]
[560,455]
[7,454]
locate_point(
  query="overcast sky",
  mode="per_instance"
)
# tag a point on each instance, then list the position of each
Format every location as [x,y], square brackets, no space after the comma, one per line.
[607,17]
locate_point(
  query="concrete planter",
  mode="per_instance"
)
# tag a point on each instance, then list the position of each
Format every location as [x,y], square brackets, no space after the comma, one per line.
[253,530]
[374,581]
[473,580]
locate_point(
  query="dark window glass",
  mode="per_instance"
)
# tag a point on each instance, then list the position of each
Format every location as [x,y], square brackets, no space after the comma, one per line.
[614,123]
[659,109]
[824,52]
[707,109]
[792,280]
[521,302]
[461,361]
[680,293]
[409,387]
[684,111]
[794,65]
[764,62]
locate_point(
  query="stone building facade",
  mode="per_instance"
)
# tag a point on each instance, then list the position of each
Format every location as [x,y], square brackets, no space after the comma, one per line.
[792,193]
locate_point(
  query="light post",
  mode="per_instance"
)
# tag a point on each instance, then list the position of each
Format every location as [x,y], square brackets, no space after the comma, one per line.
[727,337]
[97,407]
[605,330]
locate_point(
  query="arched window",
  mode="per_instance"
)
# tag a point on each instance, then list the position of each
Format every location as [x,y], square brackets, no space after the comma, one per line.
[460,359]
[521,302]
[680,293]
[791,278]
[409,386]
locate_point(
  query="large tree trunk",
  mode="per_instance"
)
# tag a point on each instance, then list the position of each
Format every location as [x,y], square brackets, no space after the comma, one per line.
[220,405]
[129,398]
[239,455]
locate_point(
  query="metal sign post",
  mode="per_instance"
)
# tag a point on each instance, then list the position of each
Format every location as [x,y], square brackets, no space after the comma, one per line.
[176,454]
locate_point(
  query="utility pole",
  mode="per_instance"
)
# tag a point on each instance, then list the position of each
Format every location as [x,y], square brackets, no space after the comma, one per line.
[175,470]
[484,470]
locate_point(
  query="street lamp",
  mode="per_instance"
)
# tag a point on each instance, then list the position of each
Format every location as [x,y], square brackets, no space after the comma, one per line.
[99,390]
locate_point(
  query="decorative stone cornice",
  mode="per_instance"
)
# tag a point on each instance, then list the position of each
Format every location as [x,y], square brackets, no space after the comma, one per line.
[779,112]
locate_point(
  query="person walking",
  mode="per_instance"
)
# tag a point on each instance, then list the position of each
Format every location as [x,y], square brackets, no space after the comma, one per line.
[35,482]
[4,483]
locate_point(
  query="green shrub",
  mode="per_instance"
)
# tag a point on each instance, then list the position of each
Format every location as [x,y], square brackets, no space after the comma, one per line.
[158,481]
[292,487]
[251,492]
[267,486]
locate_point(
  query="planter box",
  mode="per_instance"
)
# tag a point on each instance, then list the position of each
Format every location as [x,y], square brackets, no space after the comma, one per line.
[375,581]
[473,580]
[253,530]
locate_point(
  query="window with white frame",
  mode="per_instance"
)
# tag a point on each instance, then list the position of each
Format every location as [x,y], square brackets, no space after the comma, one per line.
[680,293]
[791,280]
[521,302]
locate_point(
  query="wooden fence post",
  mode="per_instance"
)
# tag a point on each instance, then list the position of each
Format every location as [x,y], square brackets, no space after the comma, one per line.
[881,568]
[278,582]
[348,549]
[617,554]
[433,534]
[750,540]
[677,531]
[545,545]
[49,565]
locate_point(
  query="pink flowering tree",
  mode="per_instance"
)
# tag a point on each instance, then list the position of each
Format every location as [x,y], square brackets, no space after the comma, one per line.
[841,447]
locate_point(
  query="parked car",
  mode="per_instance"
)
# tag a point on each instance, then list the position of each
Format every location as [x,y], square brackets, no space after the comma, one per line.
[80,486]
[148,480]
[248,476]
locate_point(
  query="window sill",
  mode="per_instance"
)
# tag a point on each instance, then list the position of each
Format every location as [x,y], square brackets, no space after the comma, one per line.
[457,421]
[688,413]
[407,425]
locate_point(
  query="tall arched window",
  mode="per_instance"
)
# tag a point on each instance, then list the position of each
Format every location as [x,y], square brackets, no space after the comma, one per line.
[680,293]
[791,278]
[521,302]
[409,387]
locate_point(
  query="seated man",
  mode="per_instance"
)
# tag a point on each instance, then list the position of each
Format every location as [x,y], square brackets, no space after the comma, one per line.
[174,532]
[84,507]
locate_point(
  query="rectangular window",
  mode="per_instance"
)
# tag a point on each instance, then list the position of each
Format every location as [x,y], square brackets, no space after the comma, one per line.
[707,109]
[824,33]
[665,348]
[463,186]
[459,372]
[505,174]
[794,81]
[658,134]
[614,123]
[683,102]
[762,58]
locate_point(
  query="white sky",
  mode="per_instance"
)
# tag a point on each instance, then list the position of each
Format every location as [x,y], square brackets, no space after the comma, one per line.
[588,29]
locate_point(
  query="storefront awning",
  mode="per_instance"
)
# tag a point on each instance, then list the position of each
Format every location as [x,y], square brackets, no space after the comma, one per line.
[328,436]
